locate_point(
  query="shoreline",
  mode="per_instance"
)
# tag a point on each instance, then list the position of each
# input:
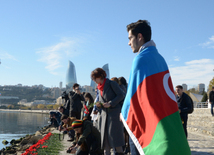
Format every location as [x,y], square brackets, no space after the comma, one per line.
[28,111]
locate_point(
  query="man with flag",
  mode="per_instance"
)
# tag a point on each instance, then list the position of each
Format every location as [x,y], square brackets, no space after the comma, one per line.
[150,112]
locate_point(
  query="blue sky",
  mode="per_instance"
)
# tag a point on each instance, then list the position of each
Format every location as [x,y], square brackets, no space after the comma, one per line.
[39,37]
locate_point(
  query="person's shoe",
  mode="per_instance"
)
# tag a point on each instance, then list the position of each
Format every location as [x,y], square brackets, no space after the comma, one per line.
[126,150]
[70,140]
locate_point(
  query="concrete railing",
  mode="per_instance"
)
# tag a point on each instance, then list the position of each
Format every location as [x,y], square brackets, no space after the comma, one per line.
[201,105]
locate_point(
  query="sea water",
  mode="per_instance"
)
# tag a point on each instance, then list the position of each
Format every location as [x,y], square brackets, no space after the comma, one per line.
[14,125]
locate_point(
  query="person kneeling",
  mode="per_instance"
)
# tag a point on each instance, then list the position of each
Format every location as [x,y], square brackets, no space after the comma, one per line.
[67,126]
[87,139]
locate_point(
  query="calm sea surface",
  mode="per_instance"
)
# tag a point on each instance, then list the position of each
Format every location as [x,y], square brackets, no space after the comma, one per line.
[14,125]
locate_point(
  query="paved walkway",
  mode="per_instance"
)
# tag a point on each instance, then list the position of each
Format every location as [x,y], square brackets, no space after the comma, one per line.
[200,144]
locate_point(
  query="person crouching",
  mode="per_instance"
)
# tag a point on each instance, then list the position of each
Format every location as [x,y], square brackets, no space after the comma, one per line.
[67,126]
[87,139]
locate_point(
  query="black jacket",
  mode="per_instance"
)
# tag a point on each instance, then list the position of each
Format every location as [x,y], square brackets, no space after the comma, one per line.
[75,101]
[184,103]
[67,105]
[211,96]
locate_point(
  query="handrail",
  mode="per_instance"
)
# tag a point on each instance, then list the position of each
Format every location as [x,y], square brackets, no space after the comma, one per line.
[200,104]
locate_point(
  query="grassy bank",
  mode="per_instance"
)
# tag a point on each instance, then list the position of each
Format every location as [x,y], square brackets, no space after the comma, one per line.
[54,146]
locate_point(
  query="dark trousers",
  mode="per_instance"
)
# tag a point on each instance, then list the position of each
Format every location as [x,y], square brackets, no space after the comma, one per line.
[184,118]
[71,134]
[212,105]
[133,148]
[75,114]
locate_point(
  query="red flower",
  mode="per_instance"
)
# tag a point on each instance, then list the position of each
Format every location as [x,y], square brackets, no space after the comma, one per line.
[37,145]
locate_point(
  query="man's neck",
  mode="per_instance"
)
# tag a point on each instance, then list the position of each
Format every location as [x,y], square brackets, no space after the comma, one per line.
[147,44]
[180,95]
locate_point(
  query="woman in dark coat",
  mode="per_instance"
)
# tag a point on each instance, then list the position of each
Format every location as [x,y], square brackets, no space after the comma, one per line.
[110,98]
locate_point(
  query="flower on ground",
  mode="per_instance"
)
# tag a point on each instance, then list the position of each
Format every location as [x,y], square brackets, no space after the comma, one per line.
[32,149]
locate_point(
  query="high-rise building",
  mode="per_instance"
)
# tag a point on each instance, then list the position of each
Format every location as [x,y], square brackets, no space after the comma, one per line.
[88,89]
[93,84]
[56,92]
[201,87]
[60,85]
[106,69]
[71,75]
[184,87]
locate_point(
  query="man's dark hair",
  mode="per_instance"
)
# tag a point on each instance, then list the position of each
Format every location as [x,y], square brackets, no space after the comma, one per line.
[179,86]
[143,27]
[64,117]
[64,95]
[75,85]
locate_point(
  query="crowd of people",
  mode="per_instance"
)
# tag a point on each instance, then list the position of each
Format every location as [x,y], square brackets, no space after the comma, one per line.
[137,117]
[93,123]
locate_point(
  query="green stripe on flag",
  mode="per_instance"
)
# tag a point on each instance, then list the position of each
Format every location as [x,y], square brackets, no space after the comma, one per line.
[169,138]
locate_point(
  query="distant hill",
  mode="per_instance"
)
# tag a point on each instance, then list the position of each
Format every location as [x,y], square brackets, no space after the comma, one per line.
[29,93]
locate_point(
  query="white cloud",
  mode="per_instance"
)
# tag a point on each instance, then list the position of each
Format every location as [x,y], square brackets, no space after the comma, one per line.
[208,44]
[5,55]
[176,58]
[54,55]
[193,72]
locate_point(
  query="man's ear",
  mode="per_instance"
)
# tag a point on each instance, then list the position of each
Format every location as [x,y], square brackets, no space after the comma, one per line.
[140,37]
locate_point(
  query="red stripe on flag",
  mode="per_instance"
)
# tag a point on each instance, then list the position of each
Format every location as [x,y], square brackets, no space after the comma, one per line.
[148,106]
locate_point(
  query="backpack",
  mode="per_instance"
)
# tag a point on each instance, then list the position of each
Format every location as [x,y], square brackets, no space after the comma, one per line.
[191,111]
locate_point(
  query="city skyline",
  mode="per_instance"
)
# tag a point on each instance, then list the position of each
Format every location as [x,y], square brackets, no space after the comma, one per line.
[38,38]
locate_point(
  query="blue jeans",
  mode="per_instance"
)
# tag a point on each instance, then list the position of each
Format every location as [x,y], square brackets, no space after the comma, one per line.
[133,148]
[212,105]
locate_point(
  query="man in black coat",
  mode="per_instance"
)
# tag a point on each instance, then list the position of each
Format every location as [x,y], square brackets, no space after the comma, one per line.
[67,101]
[184,106]
[63,111]
[75,98]
[211,99]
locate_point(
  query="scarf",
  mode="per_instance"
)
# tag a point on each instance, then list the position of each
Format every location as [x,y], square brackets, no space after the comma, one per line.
[101,86]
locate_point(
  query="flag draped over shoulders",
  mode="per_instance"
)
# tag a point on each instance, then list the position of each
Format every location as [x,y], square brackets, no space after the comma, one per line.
[150,112]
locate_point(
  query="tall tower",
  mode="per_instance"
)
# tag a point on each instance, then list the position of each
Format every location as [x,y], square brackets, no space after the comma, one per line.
[184,87]
[60,85]
[71,75]
[106,69]
[201,87]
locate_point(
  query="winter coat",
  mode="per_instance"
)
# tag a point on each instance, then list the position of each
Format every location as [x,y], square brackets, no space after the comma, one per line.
[75,101]
[211,96]
[184,103]
[109,117]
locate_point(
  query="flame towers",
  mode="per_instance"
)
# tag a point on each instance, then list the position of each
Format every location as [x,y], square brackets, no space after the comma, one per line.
[71,75]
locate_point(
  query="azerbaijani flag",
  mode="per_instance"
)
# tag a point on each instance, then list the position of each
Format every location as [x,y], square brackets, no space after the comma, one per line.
[150,112]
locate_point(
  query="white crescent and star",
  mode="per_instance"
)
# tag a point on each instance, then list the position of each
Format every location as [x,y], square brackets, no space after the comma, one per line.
[166,87]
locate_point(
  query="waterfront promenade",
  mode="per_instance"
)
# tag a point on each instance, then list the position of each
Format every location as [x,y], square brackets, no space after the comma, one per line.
[28,111]
[200,133]
[200,144]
